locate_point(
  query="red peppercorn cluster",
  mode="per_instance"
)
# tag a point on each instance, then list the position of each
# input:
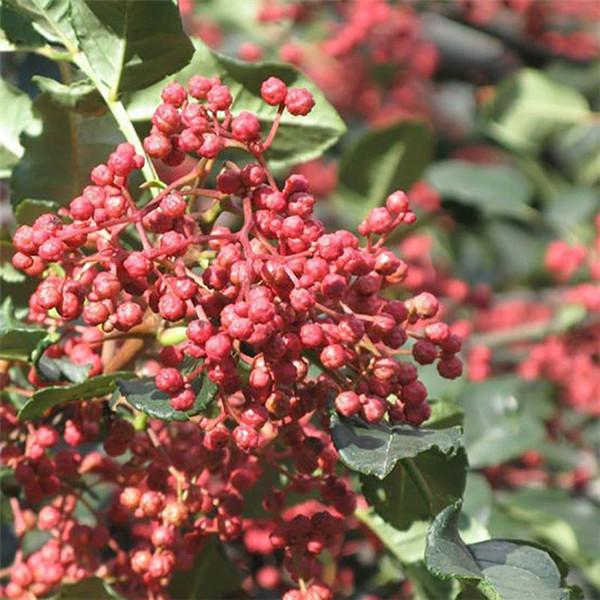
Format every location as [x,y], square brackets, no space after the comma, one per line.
[285,319]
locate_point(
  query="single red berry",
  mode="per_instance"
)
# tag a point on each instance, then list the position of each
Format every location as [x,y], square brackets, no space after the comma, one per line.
[299,101]
[245,437]
[219,97]
[138,265]
[174,94]
[347,403]
[245,127]
[183,400]
[173,205]
[169,380]
[158,145]
[397,203]
[273,91]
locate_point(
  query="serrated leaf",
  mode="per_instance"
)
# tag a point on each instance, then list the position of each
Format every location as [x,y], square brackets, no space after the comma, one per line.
[492,189]
[374,449]
[498,423]
[500,569]
[17,116]
[298,139]
[17,340]
[529,108]
[143,395]
[131,44]
[52,396]
[382,161]
[45,173]
[82,96]
[212,577]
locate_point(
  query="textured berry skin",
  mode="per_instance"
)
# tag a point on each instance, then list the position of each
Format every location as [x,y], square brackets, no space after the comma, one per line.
[169,380]
[245,127]
[219,97]
[299,101]
[174,94]
[273,91]
[348,404]
[241,313]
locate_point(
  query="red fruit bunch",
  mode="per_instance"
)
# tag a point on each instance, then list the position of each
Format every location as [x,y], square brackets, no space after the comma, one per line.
[285,320]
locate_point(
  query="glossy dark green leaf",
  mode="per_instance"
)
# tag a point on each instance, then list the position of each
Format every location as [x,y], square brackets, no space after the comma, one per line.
[81,97]
[90,588]
[143,395]
[382,161]
[49,397]
[131,44]
[492,189]
[298,139]
[501,421]
[529,108]
[374,449]
[213,577]
[418,488]
[17,116]
[500,569]
[48,174]
[17,340]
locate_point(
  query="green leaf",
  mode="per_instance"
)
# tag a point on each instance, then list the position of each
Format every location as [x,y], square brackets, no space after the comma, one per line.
[131,44]
[91,587]
[529,108]
[81,97]
[572,210]
[492,189]
[59,176]
[500,569]
[382,161]
[569,524]
[17,116]
[28,210]
[52,396]
[17,340]
[375,449]
[61,369]
[498,424]
[143,395]
[418,488]
[17,32]
[298,139]
[50,18]
[212,577]
[407,546]
[444,414]
[578,151]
